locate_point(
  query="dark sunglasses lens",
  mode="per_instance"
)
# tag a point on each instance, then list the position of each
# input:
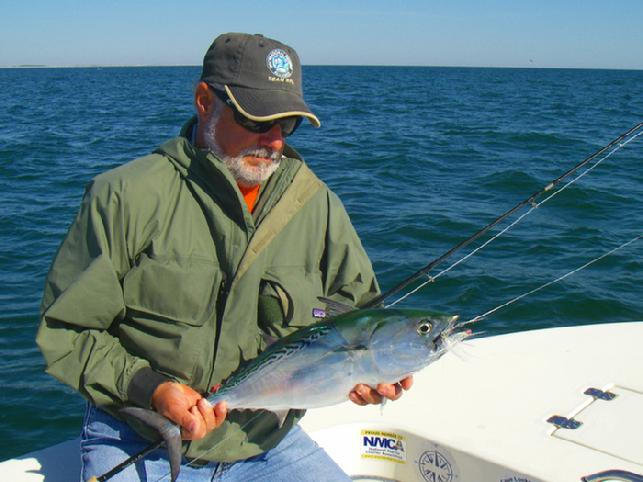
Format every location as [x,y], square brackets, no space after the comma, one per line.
[252,126]
[289,125]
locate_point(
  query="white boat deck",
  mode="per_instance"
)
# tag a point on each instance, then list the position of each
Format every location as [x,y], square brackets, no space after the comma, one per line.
[483,417]
[478,417]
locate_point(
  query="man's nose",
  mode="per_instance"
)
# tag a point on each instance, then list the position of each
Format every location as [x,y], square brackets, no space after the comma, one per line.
[273,139]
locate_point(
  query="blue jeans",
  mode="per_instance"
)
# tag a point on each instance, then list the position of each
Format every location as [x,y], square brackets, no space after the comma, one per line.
[105,442]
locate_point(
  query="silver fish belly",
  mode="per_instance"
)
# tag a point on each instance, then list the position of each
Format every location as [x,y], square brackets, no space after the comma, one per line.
[319,365]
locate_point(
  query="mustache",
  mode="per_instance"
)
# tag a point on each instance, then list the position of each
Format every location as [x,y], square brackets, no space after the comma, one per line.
[262,152]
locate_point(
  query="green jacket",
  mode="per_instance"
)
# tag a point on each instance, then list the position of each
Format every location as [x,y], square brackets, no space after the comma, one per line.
[165,273]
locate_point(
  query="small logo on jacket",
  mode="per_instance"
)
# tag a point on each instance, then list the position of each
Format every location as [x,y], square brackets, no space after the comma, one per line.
[319,313]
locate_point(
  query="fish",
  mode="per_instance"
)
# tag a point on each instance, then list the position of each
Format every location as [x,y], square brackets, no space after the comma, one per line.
[320,364]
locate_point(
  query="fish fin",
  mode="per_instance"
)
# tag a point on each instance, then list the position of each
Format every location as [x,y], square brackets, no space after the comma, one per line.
[382,405]
[170,432]
[281,415]
[268,339]
[350,348]
[334,308]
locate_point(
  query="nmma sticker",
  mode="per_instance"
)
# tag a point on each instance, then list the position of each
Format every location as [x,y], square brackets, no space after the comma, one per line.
[381,445]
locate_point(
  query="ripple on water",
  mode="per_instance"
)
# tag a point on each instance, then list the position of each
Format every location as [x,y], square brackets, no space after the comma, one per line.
[419,169]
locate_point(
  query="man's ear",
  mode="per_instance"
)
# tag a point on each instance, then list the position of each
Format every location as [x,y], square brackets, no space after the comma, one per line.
[204,99]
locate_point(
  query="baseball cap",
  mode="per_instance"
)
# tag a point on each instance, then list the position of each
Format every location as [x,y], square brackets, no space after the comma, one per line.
[261,76]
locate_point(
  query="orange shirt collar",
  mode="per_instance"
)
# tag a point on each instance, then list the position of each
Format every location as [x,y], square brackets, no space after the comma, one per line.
[250,195]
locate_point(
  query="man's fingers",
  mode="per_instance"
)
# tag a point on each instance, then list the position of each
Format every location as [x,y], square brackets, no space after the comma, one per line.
[392,391]
[171,398]
[202,419]
[201,428]
[190,424]
[407,383]
[186,407]
[368,394]
[220,412]
[213,416]
[207,413]
[355,398]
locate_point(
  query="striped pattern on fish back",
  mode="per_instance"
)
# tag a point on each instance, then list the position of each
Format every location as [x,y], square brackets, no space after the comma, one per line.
[284,348]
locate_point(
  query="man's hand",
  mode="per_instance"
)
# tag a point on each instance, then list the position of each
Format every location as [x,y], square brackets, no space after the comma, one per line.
[188,409]
[366,395]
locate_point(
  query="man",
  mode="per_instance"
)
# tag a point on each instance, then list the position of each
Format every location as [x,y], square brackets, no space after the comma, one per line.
[180,264]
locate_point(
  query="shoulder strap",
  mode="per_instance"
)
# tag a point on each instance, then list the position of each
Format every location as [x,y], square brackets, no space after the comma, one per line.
[304,185]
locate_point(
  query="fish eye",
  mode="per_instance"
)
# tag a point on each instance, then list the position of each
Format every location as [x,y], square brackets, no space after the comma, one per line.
[424,328]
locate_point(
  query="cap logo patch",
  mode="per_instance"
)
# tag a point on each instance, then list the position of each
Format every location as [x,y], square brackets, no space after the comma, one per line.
[279,64]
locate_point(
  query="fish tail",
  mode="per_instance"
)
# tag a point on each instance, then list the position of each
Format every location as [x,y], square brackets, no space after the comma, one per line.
[170,432]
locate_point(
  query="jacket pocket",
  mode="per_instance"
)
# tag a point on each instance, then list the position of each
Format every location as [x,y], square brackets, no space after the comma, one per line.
[169,289]
[287,298]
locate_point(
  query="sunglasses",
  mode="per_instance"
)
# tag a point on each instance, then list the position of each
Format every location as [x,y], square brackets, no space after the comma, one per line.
[288,124]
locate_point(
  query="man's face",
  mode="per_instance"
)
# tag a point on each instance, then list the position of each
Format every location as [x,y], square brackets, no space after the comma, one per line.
[251,157]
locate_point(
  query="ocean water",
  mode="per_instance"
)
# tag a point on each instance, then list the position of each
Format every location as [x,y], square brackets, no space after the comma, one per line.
[421,157]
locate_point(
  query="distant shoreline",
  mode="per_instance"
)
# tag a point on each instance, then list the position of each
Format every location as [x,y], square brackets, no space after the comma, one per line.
[39,66]
[43,66]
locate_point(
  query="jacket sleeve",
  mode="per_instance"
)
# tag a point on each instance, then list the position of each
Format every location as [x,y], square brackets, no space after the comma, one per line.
[349,276]
[83,302]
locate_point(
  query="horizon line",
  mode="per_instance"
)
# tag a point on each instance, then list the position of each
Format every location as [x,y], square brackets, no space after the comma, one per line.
[107,66]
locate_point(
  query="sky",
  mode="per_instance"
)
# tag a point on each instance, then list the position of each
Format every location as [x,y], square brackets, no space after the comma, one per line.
[484,33]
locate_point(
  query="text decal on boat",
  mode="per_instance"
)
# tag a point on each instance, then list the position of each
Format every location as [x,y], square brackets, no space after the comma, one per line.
[383,446]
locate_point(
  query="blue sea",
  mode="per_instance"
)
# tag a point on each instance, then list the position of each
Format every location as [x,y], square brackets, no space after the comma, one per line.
[421,157]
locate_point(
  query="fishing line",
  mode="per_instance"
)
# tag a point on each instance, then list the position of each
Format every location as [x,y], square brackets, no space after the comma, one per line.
[619,143]
[207,451]
[472,320]
[626,138]
[549,283]
[156,445]
[534,206]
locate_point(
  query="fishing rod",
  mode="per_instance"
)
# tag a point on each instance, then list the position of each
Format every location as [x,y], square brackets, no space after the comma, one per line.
[131,460]
[424,271]
[549,283]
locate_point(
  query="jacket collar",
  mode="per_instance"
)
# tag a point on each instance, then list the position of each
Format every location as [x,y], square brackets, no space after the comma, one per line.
[203,167]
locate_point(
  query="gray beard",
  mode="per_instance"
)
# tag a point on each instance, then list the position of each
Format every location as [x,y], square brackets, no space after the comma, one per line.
[243,173]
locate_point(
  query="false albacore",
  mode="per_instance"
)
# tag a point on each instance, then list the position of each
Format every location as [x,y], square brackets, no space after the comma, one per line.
[319,365]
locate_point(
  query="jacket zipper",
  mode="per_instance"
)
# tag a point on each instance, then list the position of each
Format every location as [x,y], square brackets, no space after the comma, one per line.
[222,298]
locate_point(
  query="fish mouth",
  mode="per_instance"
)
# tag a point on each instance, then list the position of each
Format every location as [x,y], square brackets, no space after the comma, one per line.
[449,329]
[451,335]
[442,341]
